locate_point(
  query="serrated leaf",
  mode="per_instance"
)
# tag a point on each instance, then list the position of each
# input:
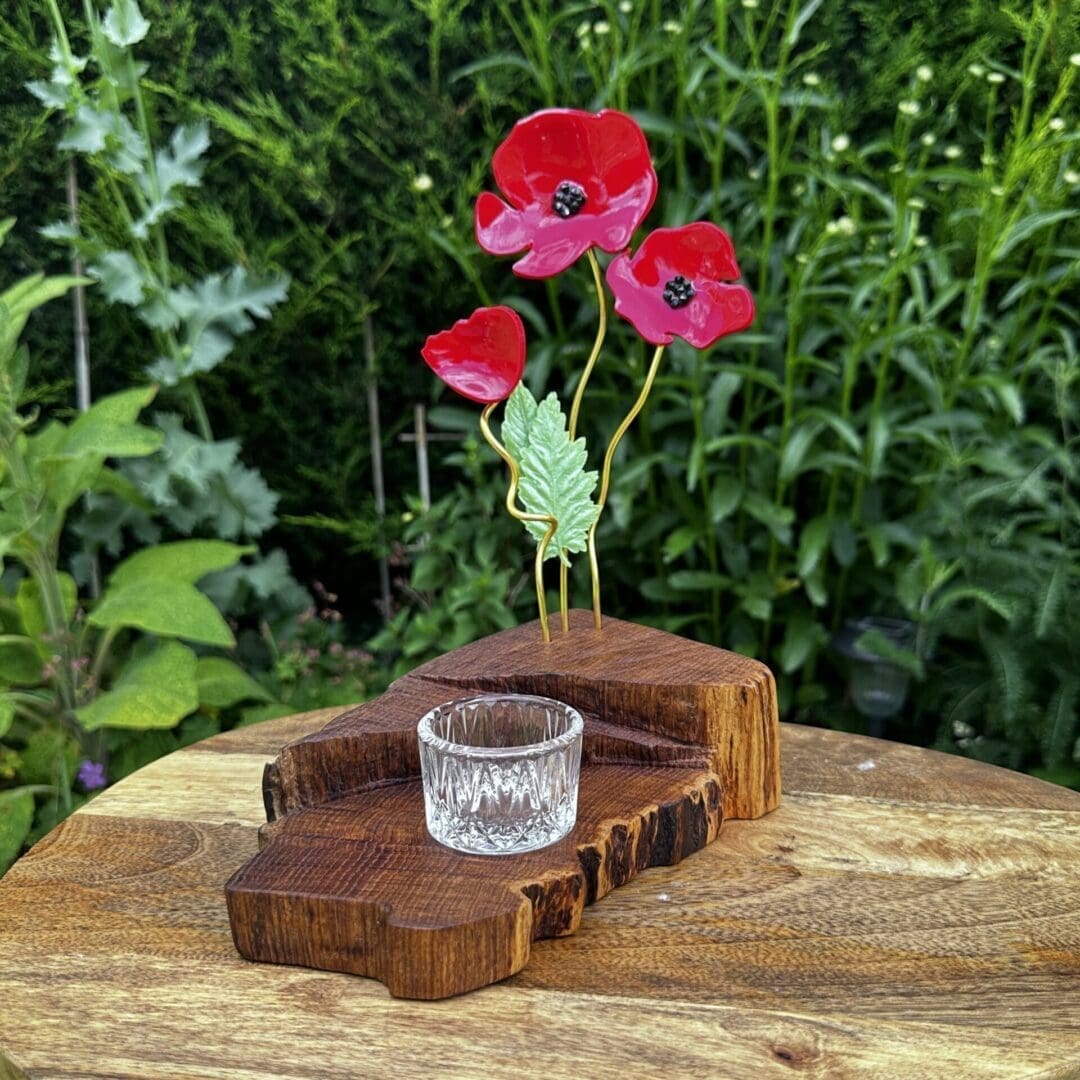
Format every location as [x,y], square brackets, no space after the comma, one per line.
[124,24]
[554,479]
[518,419]
[222,684]
[155,691]
[59,230]
[167,608]
[182,560]
[234,299]
[179,166]
[122,279]
[52,95]
[87,131]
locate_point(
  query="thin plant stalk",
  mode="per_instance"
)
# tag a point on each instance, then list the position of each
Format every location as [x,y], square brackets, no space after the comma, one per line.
[605,477]
[575,409]
[521,515]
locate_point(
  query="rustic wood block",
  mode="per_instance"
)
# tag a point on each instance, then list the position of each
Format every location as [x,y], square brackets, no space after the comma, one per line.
[678,735]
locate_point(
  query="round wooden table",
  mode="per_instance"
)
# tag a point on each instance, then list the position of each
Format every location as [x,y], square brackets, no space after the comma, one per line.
[903,914]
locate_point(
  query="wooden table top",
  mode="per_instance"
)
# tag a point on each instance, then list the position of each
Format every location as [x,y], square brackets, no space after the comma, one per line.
[904,913]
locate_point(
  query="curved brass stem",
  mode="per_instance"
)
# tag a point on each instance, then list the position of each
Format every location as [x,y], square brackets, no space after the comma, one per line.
[605,477]
[521,515]
[575,409]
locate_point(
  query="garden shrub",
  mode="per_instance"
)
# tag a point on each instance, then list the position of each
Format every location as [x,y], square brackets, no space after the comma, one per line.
[897,434]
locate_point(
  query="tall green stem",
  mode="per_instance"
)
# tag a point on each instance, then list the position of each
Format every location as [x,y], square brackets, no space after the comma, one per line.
[575,409]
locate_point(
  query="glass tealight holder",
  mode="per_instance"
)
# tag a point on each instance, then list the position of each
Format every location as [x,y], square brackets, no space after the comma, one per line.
[500,772]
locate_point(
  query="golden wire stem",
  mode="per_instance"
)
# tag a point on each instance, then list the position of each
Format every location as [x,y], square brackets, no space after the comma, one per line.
[575,409]
[521,515]
[605,477]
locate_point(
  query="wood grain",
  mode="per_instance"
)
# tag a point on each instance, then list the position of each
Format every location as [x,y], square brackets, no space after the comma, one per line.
[646,696]
[903,914]
[350,880]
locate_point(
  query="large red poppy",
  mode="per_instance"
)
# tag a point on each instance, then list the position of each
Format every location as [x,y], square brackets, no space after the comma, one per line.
[573,180]
[481,357]
[674,285]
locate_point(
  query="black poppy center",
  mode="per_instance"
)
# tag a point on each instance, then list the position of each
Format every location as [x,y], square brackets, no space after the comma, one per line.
[569,199]
[678,292]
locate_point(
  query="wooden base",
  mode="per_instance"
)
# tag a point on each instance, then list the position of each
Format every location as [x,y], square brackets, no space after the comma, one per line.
[678,735]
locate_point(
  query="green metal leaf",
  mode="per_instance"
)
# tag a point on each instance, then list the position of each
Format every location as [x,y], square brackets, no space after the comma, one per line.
[155,691]
[222,683]
[184,560]
[554,479]
[168,608]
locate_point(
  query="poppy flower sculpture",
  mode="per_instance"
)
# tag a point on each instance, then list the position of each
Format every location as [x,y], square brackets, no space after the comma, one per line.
[576,181]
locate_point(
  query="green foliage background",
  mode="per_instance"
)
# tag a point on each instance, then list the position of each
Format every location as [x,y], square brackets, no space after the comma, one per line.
[897,481]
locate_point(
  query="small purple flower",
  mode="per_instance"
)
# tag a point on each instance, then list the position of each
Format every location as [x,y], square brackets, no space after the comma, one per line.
[91,775]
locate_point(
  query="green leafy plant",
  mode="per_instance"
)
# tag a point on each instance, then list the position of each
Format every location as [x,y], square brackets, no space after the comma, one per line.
[70,668]
[195,484]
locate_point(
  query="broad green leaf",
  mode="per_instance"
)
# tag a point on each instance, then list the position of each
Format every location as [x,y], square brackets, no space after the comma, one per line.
[108,428]
[554,480]
[19,660]
[168,608]
[32,609]
[726,494]
[184,560]
[795,449]
[124,24]
[813,540]
[122,278]
[16,816]
[680,541]
[7,715]
[155,691]
[802,639]
[778,519]
[222,683]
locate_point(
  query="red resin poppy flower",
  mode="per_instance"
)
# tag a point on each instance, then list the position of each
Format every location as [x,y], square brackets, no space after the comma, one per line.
[573,180]
[481,357]
[674,286]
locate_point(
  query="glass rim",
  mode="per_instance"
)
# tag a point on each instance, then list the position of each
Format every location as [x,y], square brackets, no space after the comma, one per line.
[575,722]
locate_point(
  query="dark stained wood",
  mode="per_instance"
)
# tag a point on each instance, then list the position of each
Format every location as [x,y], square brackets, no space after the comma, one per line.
[916,919]
[646,696]
[349,879]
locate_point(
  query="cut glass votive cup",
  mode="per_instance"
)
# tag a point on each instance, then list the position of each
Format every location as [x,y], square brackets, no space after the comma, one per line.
[500,772]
